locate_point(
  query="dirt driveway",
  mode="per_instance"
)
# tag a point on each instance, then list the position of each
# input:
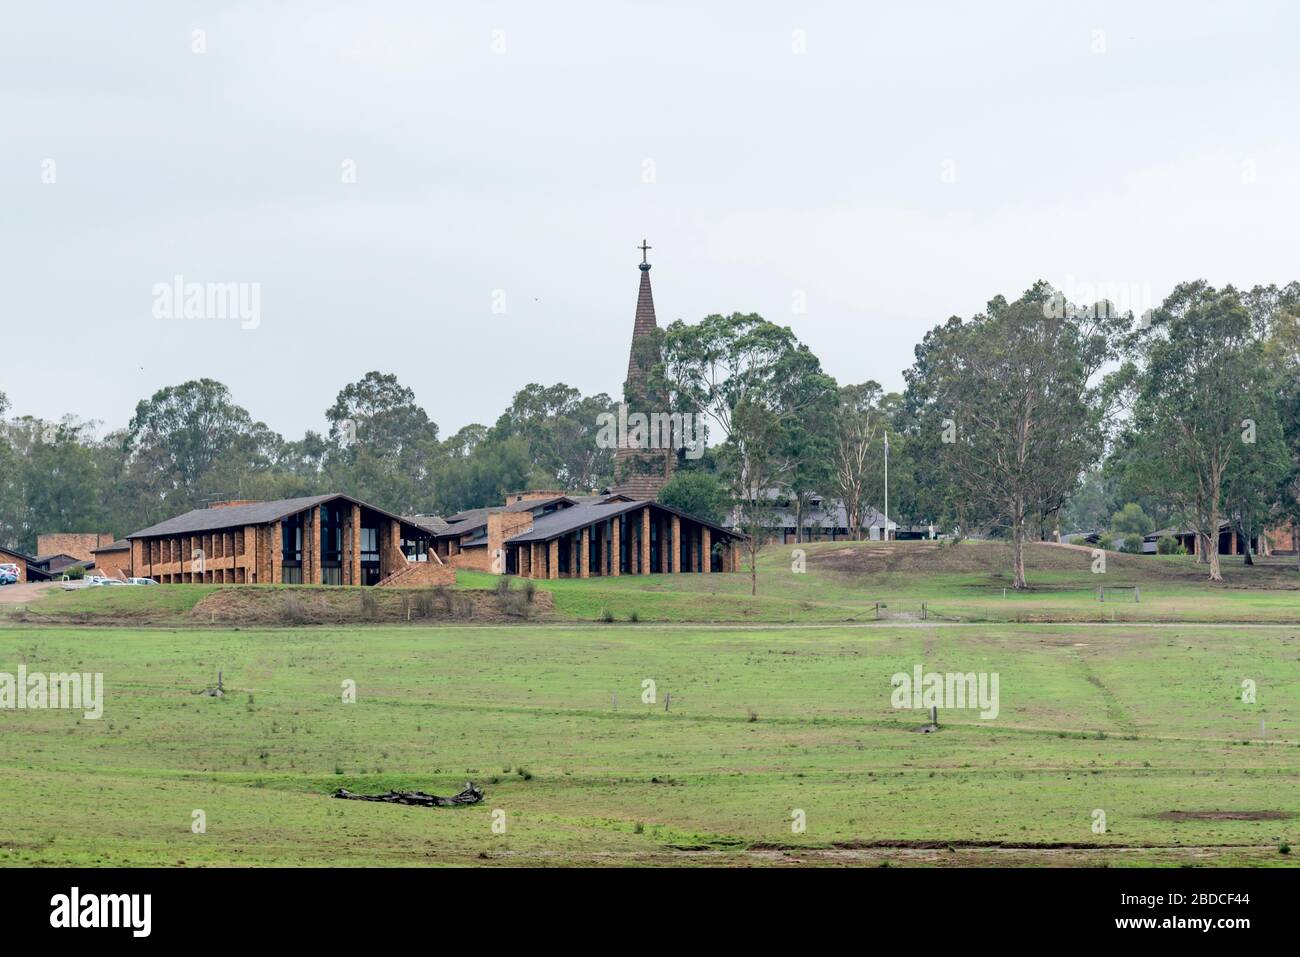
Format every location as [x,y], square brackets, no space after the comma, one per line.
[24,592]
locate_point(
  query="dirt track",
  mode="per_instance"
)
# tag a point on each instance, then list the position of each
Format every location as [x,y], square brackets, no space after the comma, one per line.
[24,592]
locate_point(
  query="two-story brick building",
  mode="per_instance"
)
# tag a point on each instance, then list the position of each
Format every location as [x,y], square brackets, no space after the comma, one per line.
[321,539]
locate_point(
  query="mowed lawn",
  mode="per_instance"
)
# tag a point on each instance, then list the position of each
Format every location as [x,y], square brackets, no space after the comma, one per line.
[859,581]
[1132,720]
[825,582]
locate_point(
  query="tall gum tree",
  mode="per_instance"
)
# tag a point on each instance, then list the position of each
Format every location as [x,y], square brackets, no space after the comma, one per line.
[1012,405]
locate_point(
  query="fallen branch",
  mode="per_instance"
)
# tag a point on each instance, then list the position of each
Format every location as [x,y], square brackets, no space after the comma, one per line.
[471,795]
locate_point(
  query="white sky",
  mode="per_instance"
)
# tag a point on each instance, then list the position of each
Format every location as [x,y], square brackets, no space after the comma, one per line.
[1174,154]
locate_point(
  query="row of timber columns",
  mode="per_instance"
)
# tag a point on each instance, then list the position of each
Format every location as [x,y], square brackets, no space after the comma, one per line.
[254,553]
[542,559]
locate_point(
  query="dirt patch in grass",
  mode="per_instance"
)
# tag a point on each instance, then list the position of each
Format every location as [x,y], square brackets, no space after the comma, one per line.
[1224,815]
[295,605]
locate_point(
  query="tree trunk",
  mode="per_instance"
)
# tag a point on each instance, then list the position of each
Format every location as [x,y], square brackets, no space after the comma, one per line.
[1213,550]
[1018,546]
[753,572]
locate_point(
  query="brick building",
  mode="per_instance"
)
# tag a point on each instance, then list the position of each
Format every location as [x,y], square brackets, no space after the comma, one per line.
[78,545]
[113,560]
[544,535]
[321,539]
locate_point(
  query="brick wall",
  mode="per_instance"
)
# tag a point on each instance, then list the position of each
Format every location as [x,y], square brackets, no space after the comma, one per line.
[114,564]
[77,544]
[421,575]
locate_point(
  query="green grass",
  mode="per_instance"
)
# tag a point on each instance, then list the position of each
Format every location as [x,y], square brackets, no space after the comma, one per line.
[841,582]
[971,582]
[1135,720]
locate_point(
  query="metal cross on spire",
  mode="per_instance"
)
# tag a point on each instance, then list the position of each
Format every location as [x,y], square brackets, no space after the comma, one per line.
[644,249]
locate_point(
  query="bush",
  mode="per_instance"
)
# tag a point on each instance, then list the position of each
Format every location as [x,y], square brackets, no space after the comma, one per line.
[1106,541]
[292,609]
[606,615]
[1132,544]
[530,589]
[76,573]
[1168,545]
[369,604]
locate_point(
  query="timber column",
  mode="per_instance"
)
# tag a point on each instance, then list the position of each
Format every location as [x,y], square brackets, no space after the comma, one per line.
[675,556]
[553,560]
[706,549]
[616,545]
[586,553]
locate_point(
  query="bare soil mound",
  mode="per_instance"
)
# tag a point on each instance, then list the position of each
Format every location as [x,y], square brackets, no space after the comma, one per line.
[322,606]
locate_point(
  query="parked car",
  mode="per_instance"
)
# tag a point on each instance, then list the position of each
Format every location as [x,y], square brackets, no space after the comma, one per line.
[96,580]
[8,574]
[141,581]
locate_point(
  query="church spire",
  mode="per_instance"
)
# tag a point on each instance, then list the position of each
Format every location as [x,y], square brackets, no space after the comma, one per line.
[639,472]
[644,353]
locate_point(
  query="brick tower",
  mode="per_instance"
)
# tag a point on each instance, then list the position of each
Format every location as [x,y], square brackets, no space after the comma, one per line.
[641,472]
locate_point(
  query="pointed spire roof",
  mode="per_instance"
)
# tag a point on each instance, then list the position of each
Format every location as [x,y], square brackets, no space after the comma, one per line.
[639,360]
[639,473]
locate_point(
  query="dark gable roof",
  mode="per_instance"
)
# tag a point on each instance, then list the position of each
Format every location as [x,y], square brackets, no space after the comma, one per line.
[257,513]
[121,545]
[462,523]
[570,519]
[530,504]
[17,554]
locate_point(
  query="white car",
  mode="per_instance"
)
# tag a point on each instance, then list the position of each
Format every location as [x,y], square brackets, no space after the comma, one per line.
[141,581]
[93,580]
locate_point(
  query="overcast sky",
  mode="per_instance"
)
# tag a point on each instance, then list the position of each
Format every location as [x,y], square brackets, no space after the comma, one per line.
[884,165]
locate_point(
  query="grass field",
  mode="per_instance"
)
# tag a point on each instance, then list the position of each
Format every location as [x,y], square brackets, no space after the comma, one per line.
[841,582]
[1137,721]
[750,723]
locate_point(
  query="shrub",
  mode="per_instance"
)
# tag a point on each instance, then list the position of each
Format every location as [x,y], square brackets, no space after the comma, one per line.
[1106,541]
[633,616]
[606,615]
[75,573]
[1168,545]
[530,589]
[291,608]
[503,585]
[1132,544]
[369,604]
